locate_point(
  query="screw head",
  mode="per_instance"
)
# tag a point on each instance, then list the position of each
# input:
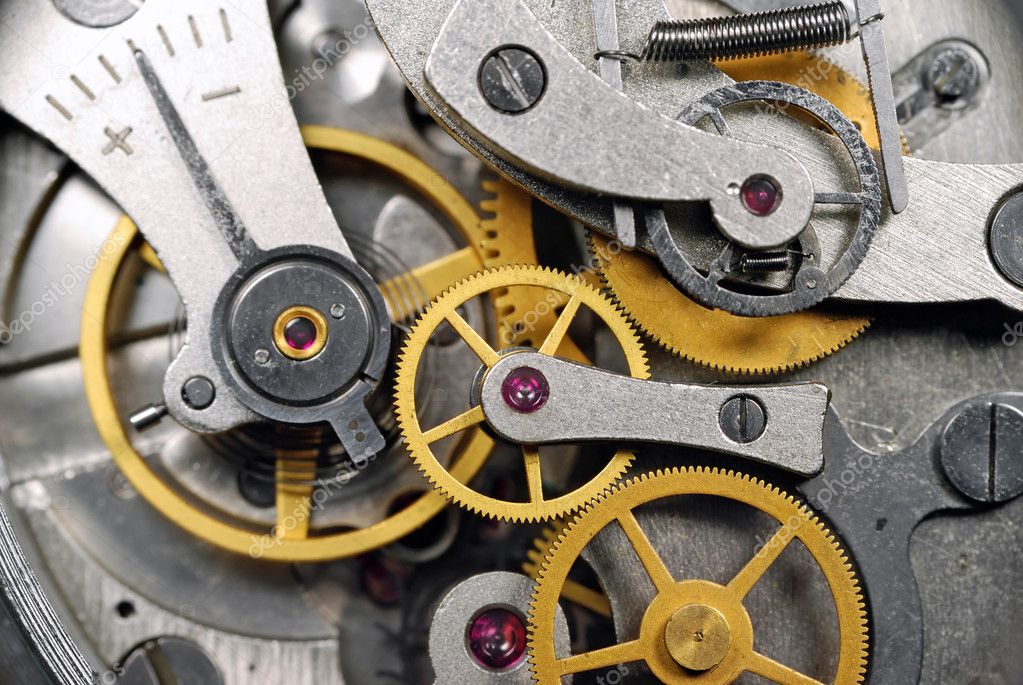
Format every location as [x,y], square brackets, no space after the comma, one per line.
[512,79]
[954,75]
[1006,239]
[262,356]
[982,452]
[337,311]
[198,392]
[743,419]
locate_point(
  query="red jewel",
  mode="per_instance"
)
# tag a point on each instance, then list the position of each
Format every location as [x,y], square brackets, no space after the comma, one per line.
[497,639]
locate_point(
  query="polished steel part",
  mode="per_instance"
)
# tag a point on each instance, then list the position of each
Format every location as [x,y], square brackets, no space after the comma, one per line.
[814,279]
[449,652]
[879,73]
[691,165]
[605,21]
[81,88]
[910,238]
[621,409]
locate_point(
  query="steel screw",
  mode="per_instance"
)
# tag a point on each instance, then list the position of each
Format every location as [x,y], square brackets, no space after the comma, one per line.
[743,419]
[1006,239]
[982,452]
[954,75]
[512,79]
[337,311]
[198,392]
[262,357]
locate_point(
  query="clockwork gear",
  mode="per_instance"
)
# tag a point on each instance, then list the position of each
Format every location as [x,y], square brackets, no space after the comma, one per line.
[293,538]
[715,338]
[546,328]
[696,630]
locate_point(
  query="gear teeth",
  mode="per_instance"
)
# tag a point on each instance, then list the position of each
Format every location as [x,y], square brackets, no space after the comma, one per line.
[701,354]
[506,277]
[849,599]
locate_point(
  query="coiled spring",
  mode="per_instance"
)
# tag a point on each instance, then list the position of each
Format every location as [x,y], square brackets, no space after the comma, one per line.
[749,35]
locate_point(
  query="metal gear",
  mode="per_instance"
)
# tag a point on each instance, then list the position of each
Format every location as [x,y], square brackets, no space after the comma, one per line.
[713,337]
[528,327]
[696,630]
[294,492]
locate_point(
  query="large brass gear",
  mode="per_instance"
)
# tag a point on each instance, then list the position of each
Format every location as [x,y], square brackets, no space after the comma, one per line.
[717,339]
[418,439]
[696,631]
[300,543]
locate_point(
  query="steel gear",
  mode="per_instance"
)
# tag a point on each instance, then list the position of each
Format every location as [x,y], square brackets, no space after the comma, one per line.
[529,327]
[696,630]
[715,338]
[299,543]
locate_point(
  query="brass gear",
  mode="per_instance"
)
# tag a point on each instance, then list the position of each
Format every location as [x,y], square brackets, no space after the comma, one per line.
[712,337]
[696,631]
[418,440]
[299,543]
[717,339]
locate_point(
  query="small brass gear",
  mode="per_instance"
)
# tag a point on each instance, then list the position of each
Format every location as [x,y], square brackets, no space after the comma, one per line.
[694,630]
[717,339]
[527,329]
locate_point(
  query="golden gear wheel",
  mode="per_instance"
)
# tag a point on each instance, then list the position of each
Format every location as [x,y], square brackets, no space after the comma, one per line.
[712,337]
[717,339]
[299,542]
[695,630]
[561,288]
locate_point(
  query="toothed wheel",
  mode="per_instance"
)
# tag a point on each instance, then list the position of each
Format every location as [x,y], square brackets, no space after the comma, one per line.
[713,337]
[559,298]
[695,630]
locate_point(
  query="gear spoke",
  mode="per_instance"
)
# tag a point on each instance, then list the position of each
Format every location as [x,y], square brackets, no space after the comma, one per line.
[531,457]
[767,667]
[473,339]
[652,562]
[602,658]
[557,333]
[294,492]
[458,424]
[758,565]
[430,280]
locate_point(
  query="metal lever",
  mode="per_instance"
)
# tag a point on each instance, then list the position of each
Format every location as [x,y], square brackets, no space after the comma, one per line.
[780,425]
[806,27]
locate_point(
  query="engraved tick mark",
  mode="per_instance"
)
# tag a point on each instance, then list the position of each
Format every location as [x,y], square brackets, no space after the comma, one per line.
[222,93]
[59,107]
[118,141]
[110,69]
[166,40]
[195,31]
[226,24]
[82,87]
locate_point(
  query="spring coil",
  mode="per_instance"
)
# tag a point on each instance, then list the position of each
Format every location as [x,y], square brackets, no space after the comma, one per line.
[749,35]
[762,263]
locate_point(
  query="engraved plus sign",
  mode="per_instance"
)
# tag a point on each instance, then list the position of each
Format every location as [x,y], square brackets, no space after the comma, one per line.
[118,141]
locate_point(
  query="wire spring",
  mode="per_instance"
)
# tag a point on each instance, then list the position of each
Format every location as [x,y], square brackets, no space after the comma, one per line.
[748,35]
[764,262]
